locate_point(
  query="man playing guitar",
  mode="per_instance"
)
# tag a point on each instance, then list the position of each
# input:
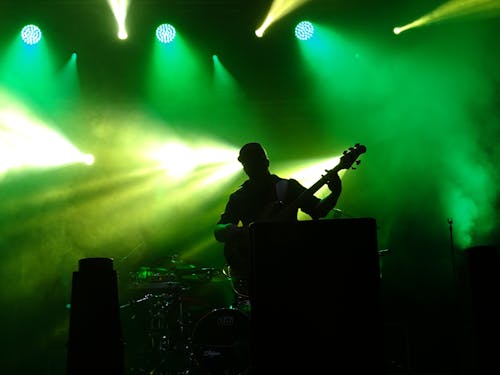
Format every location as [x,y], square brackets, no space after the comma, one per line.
[266,196]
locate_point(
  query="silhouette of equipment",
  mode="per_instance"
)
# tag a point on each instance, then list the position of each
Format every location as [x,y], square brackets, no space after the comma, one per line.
[95,342]
[325,318]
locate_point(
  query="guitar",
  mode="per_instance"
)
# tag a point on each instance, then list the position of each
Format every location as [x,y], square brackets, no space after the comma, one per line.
[237,251]
[348,159]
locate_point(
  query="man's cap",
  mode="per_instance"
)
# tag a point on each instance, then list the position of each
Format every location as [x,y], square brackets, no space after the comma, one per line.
[252,152]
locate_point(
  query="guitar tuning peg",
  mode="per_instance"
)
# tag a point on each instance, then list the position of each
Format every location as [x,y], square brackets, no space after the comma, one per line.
[357,162]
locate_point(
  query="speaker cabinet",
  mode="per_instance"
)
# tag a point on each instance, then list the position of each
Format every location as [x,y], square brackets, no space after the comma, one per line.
[95,343]
[482,281]
[315,297]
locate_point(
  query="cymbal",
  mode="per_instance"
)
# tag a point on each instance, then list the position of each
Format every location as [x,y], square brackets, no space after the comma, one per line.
[155,269]
[152,274]
[204,274]
[173,270]
[185,267]
[175,264]
[168,285]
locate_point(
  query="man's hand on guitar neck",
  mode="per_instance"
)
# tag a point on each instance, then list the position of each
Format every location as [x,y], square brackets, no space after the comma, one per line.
[334,183]
[328,203]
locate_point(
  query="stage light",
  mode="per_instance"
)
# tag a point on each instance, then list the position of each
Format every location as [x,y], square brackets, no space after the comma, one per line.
[28,142]
[179,159]
[454,9]
[278,10]
[120,10]
[304,30]
[122,34]
[31,34]
[88,159]
[165,33]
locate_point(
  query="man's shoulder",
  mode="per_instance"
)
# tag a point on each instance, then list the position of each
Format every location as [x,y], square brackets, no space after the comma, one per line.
[242,189]
[295,183]
[275,178]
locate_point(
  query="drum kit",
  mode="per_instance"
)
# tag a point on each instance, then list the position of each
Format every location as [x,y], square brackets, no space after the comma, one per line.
[180,320]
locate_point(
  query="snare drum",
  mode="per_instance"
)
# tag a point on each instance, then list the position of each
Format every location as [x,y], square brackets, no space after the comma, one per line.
[221,341]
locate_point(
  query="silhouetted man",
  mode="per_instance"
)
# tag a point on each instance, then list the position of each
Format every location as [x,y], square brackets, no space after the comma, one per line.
[264,196]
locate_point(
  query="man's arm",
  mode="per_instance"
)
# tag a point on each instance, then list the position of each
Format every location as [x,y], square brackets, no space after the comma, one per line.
[224,231]
[326,204]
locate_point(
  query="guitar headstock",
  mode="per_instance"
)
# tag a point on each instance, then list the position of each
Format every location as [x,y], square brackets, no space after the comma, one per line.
[350,157]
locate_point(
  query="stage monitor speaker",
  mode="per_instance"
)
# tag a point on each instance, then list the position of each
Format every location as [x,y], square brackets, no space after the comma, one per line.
[315,297]
[483,296]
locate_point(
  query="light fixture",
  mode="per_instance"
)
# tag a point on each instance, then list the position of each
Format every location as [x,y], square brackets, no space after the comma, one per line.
[165,33]
[304,30]
[31,34]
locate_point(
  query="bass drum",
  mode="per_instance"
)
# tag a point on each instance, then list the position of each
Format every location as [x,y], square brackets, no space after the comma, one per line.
[221,342]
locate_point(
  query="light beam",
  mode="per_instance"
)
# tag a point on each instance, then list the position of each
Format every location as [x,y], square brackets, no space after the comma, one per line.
[454,9]
[278,10]
[119,9]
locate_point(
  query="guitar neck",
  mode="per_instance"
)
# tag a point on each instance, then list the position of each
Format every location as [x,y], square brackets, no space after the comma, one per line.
[322,181]
[346,161]
[291,208]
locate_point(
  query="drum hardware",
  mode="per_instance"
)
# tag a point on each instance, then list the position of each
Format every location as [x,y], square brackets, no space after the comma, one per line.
[383,252]
[162,298]
[158,341]
[150,275]
[161,321]
[202,274]
[168,285]
[221,342]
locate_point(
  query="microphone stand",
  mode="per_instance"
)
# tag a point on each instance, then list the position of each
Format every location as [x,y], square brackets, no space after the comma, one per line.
[452,252]
[455,299]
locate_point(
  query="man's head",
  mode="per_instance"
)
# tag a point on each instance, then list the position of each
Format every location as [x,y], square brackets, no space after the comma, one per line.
[254,159]
[251,153]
